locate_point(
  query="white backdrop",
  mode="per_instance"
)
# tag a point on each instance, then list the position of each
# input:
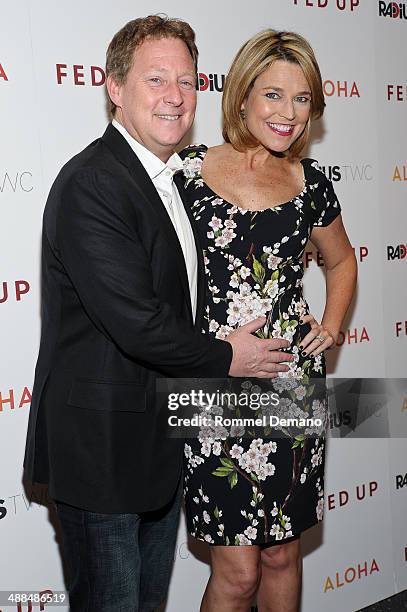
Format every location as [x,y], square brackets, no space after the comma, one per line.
[360,554]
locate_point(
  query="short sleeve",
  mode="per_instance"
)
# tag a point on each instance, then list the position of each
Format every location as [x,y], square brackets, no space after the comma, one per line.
[192,158]
[324,202]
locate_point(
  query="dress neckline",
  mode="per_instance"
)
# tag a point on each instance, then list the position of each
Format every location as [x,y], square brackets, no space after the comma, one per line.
[251,210]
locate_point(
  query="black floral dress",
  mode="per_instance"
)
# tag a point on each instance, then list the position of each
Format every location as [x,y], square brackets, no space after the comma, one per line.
[242,490]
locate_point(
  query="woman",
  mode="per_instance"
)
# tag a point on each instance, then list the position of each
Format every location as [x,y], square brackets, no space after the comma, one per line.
[256,205]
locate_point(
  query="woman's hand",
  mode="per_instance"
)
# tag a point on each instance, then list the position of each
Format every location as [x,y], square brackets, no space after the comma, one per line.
[317,340]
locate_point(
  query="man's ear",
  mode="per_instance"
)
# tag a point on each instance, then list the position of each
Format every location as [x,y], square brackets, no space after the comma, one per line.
[114,90]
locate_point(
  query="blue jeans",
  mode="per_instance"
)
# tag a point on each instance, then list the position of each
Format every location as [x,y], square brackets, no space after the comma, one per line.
[118,562]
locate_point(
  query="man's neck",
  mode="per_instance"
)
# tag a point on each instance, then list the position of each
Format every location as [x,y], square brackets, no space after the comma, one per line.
[164,156]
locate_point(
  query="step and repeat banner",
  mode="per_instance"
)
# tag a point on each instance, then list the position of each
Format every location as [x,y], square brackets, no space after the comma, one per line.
[53,103]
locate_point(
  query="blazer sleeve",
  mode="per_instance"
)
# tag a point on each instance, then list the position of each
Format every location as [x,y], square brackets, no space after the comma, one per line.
[112,276]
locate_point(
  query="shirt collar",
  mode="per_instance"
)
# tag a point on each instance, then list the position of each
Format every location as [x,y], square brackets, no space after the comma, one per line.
[152,164]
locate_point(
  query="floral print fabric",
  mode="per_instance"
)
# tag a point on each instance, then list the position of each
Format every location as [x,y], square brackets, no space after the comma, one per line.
[242,489]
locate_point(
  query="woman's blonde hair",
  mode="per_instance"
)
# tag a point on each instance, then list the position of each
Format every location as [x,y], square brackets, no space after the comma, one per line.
[256,55]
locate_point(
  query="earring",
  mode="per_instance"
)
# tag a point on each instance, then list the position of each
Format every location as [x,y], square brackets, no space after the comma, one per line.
[242,114]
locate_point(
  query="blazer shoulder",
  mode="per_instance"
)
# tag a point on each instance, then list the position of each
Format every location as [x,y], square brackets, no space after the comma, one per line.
[94,160]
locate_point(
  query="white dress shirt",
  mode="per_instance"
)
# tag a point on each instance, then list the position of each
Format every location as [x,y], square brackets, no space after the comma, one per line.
[161,175]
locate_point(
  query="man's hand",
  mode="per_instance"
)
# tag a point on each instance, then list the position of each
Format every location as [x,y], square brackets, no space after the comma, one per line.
[253,357]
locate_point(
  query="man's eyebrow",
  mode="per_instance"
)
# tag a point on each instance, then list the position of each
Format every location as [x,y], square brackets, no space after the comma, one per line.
[163,70]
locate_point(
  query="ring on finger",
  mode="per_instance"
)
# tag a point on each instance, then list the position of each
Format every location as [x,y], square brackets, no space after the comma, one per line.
[320,339]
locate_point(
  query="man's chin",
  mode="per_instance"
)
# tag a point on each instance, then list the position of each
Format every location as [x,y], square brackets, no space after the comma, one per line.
[172,143]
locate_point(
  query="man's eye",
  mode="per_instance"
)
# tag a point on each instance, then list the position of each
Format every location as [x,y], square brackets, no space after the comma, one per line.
[156,80]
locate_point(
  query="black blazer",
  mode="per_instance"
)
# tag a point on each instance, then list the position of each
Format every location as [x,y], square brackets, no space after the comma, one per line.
[116,314]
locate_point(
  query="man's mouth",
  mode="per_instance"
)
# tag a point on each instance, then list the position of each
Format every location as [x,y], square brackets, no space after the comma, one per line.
[169,117]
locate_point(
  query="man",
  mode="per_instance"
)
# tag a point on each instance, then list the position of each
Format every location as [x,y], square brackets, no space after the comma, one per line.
[123,294]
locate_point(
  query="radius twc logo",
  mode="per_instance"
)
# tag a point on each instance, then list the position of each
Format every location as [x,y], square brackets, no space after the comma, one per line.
[210,82]
[16,181]
[16,505]
[398,251]
[394,10]
[401,481]
[348,172]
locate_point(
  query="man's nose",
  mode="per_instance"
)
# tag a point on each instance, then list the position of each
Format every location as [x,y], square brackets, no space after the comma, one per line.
[173,94]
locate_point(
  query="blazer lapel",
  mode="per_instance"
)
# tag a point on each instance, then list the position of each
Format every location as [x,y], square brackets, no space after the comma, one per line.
[179,180]
[124,153]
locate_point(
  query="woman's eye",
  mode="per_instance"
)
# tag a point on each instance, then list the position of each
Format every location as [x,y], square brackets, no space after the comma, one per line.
[302,99]
[272,95]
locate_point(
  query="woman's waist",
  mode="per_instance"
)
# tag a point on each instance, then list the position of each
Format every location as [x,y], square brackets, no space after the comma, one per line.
[290,301]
